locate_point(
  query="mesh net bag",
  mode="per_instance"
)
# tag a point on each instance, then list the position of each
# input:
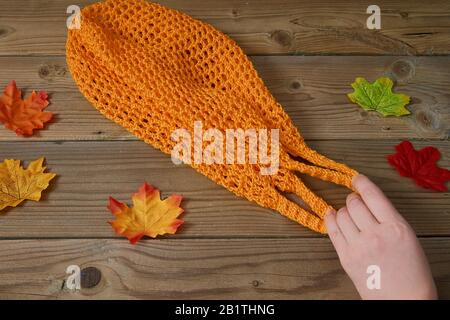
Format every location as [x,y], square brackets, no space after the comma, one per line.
[154,70]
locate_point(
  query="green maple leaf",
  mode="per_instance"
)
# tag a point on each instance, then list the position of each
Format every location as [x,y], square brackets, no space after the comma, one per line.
[378,96]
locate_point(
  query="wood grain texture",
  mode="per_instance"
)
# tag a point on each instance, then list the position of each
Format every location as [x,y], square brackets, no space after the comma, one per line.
[228,248]
[90,172]
[260,27]
[311,89]
[190,269]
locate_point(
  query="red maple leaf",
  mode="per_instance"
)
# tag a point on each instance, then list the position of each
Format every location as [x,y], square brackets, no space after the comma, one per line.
[420,166]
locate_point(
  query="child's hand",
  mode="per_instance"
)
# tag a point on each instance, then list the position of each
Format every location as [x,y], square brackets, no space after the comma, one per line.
[370,231]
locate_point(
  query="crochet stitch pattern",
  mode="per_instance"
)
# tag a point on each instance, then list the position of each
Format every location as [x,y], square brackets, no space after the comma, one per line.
[154,70]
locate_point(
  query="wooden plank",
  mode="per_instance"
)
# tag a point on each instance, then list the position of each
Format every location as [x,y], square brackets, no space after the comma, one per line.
[312,90]
[190,269]
[90,172]
[260,27]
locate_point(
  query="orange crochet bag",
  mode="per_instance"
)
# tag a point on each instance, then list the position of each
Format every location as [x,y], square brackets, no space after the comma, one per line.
[154,70]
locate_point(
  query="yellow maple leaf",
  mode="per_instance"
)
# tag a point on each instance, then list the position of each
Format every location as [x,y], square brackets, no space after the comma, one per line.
[18,184]
[149,216]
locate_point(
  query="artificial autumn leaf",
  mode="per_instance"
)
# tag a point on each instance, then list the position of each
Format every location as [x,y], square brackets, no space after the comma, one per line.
[420,166]
[149,216]
[23,116]
[378,96]
[18,184]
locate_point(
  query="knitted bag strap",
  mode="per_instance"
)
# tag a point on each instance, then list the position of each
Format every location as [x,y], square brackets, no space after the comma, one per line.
[154,71]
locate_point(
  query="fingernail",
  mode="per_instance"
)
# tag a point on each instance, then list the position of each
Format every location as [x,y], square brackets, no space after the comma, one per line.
[352,196]
[357,177]
[329,211]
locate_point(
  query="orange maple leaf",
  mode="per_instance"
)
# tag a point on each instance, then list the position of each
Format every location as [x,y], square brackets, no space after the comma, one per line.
[23,116]
[149,216]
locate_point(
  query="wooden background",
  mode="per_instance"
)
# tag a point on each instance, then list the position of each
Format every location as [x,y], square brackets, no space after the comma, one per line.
[308,52]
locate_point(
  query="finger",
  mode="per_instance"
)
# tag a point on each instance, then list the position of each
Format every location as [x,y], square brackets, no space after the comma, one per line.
[360,214]
[346,225]
[380,206]
[335,234]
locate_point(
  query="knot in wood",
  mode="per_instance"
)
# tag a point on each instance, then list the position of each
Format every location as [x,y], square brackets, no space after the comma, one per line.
[90,277]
